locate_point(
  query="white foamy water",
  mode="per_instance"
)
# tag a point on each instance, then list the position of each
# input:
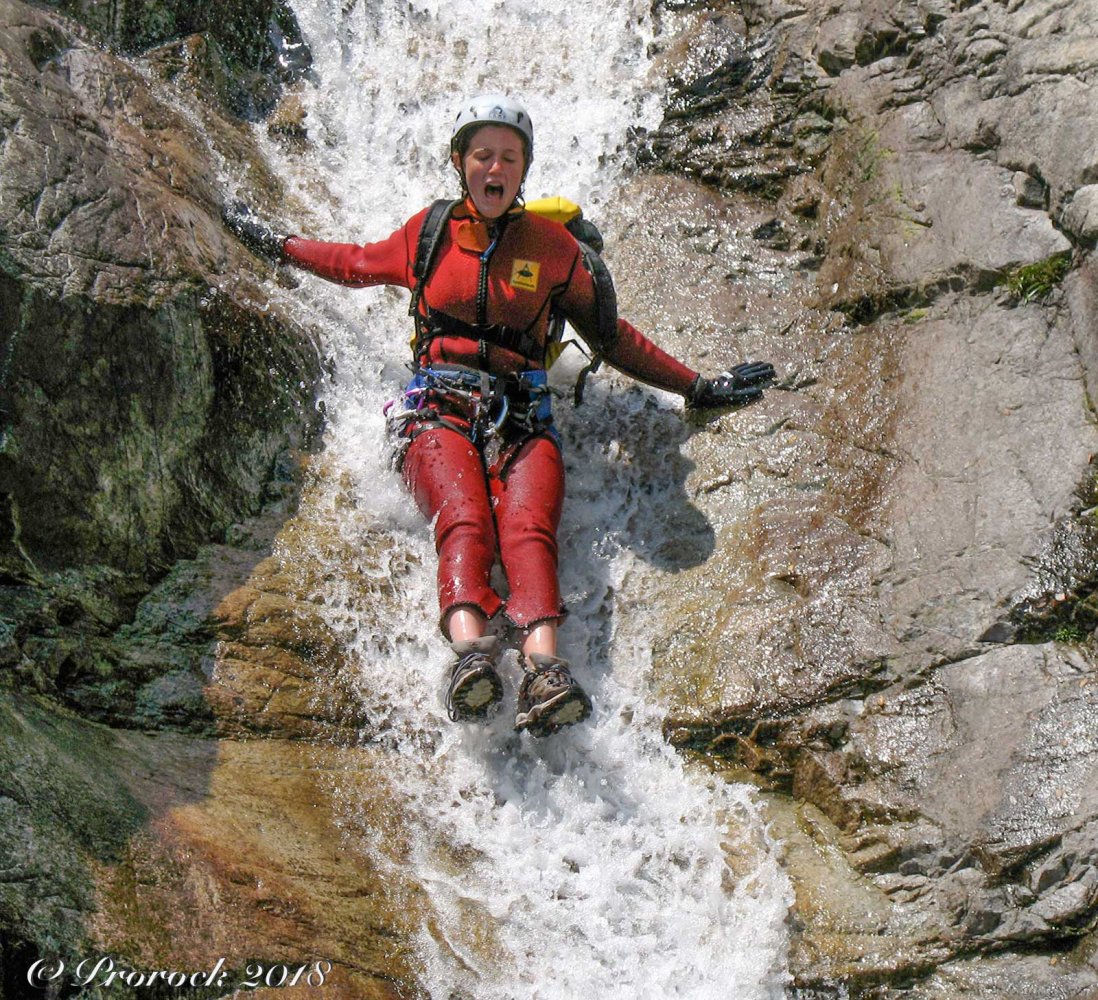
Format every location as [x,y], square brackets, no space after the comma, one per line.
[594,864]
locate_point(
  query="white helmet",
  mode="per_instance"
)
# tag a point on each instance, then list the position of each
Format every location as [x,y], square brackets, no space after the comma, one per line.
[494,109]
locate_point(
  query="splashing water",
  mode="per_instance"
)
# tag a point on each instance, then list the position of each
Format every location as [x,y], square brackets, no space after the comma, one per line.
[596,861]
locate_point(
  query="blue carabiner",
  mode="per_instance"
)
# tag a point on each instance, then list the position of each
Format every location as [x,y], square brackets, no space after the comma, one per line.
[498,423]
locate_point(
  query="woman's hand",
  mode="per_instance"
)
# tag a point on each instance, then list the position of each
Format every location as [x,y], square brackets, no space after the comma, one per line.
[742,385]
[258,236]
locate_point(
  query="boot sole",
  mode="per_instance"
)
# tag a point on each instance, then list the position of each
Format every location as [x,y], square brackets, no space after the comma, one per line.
[477,697]
[566,709]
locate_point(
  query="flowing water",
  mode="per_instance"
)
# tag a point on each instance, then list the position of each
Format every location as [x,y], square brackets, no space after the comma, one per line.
[597,862]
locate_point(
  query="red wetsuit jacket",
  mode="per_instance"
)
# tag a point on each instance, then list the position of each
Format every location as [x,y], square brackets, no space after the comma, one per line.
[535,266]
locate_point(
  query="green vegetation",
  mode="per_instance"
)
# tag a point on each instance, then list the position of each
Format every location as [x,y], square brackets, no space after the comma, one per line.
[1070,633]
[1036,281]
[857,160]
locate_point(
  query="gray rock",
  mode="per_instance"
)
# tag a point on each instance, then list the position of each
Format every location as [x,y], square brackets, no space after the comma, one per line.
[144,415]
[1029,192]
[55,818]
[910,691]
[170,700]
[1080,216]
[253,48]
[1019,977]
[1081,297]
[967,527]
[837,41]
[935,242]
[1069,903]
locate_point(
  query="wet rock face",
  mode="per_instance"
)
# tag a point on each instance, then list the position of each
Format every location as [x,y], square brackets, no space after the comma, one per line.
[156,410]
[733,117]
[151,397]
[897,633]
[168,852]
[147,399]
[255,48]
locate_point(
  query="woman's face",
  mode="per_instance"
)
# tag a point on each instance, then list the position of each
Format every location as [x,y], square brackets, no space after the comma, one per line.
[494,164]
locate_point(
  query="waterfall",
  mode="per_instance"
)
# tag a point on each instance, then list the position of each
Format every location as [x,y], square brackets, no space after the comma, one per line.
[598,862]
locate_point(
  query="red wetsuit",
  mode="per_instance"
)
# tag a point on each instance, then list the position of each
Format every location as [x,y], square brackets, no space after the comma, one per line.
[480,503]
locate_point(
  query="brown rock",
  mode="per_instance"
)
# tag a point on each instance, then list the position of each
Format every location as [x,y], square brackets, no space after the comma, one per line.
[260,870]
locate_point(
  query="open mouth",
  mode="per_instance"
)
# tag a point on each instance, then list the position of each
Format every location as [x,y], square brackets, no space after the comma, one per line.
[493,190]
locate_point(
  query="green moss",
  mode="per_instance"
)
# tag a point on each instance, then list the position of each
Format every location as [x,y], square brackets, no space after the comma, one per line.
[1036,281]
[869,154]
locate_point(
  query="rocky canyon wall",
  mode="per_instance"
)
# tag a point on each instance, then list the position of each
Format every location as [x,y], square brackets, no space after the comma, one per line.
[903,640]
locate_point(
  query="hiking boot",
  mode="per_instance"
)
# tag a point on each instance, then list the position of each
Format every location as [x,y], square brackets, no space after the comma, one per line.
[549,698]
[475,688]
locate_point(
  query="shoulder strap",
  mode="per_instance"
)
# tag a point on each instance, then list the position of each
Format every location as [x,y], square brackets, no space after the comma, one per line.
[606,298]
[430,236]
[606,310]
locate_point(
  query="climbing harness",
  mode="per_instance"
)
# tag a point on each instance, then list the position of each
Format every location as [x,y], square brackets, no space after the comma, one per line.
[492,411]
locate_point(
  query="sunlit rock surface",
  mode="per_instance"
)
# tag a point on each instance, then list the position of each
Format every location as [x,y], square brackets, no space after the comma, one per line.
[898,628]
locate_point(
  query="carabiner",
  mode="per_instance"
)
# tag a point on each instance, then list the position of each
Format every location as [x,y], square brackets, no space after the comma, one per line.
[504,410]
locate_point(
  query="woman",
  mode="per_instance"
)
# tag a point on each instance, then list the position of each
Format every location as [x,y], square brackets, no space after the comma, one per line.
[478,448]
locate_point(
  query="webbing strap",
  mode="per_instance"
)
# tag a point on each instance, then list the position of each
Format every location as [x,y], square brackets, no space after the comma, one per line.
[606,298]
[520,341]
[430,236]
[606,312]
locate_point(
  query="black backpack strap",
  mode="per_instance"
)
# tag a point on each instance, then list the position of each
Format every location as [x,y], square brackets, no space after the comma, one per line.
[430,236]
[606,299]
[585,231]
[606,310]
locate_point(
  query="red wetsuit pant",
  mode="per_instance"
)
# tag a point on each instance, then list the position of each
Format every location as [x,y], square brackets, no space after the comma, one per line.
[510,506]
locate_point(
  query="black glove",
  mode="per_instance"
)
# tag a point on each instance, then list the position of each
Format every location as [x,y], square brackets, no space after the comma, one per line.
[743,385]
[257,235]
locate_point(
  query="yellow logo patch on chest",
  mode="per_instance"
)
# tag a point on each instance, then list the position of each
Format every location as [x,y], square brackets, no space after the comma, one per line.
[524,275]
